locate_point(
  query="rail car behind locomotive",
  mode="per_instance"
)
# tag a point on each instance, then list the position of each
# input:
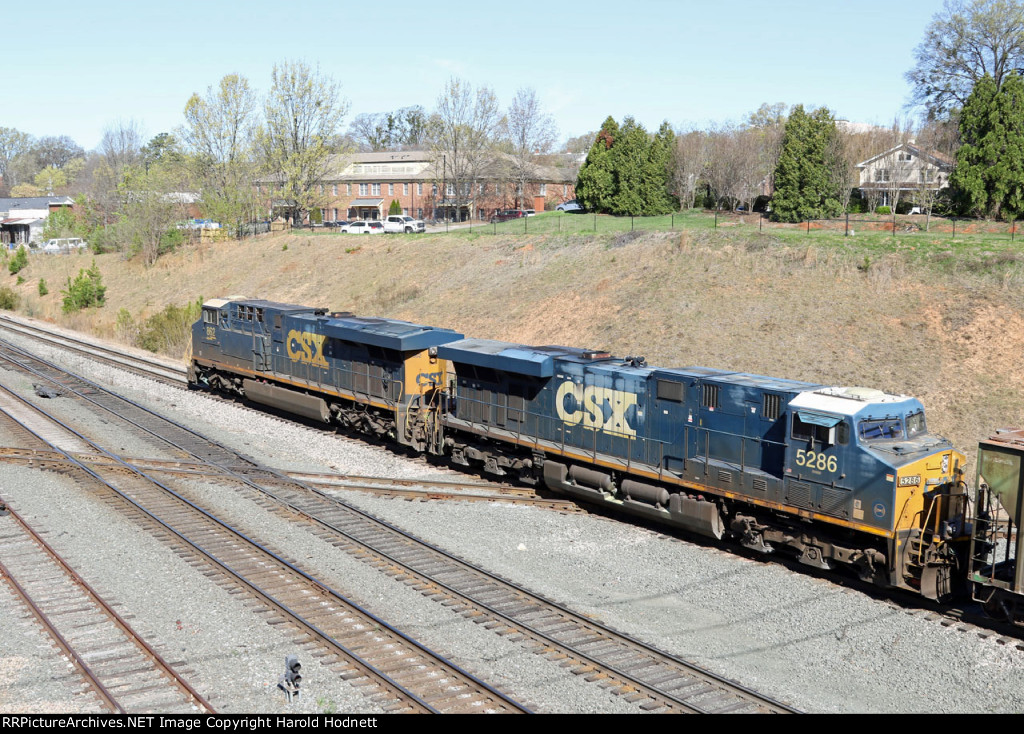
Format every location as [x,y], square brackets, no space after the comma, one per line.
[838,476]
[997,579]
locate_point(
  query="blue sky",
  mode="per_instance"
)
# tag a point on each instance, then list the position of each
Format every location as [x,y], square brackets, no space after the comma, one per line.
[72,68]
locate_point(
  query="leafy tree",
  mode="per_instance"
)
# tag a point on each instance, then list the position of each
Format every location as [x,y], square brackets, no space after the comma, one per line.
[61,223]
[218,134]
[85,291]
[303,113]
[595,185]
[13,143]
[965,41]
[805,187]
[989,175]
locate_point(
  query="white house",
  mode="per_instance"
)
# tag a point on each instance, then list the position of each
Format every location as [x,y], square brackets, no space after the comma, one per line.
[904,171]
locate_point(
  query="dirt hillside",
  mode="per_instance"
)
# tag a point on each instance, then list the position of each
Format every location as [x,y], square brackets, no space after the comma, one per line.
[746,303]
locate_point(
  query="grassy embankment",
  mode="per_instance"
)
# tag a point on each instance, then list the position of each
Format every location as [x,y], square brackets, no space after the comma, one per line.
[919,313]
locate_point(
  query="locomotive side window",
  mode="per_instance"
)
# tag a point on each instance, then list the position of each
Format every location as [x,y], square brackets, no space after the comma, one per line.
[670,390]
[209,316]
[823,429]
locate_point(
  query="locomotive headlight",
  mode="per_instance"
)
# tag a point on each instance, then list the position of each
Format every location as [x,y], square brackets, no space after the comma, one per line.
[945,464]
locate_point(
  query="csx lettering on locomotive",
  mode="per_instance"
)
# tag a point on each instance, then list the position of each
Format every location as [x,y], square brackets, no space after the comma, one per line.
[600,408]
[304,346]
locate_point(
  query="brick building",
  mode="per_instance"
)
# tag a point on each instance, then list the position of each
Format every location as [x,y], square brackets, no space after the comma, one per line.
[363,185]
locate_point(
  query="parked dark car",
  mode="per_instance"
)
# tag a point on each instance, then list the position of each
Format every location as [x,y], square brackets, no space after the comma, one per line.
[505,215]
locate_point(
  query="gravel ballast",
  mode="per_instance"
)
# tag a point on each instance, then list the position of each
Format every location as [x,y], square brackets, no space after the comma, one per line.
[805,641]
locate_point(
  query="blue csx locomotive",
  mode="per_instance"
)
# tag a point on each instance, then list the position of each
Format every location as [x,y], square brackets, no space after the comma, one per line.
[836,475]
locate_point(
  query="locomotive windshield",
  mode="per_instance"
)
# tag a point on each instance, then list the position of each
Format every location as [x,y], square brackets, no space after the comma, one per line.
[889,429]
[877,430]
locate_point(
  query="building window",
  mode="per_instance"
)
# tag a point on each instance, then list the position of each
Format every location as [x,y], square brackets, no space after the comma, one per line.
[375,189]
[348,189]
[419,213]
[419,189]
[881,175]
[449,189]
[391,189]
[926,175]
[405,189]
[481,188]
[543,191]
[334,189]
[565,189]
[363,189]
[335,214]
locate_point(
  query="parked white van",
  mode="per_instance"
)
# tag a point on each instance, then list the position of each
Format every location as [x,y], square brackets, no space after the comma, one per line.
[64,244]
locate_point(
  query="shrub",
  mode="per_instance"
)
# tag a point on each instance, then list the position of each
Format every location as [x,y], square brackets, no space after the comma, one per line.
[43,290]
[8,299]
[169,330]
[86,291]
[19,262]
[395,207]
[883,210]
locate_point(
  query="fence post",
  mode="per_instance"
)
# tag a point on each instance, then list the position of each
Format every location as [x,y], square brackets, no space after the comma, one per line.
[847,225]
[808,226]
[595,221]
[760,223]
[954,228]
[716,219]
[630,222]
[673,225]
[1013,229]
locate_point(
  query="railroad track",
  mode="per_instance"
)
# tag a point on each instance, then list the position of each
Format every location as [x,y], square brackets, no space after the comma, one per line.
[652,679]
[124,672]
[352,641]
[151,368]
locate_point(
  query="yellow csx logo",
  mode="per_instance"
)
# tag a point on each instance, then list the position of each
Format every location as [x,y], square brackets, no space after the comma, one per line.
[307,347]
[600,408]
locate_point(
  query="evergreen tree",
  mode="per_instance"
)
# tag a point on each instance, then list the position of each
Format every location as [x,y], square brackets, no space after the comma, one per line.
[659,163]
[595,185]
[628,163]
[803,186]
[988,179]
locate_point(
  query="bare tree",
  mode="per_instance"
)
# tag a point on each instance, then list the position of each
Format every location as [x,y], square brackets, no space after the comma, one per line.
[462,131]
[965,41]
[530,132]
[735,168]
[121,145]
[688,165]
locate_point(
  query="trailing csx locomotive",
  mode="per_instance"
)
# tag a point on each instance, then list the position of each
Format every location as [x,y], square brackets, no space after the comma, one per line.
[837,476]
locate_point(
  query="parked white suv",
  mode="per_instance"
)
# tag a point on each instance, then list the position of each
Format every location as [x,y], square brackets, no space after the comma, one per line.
[401,223]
